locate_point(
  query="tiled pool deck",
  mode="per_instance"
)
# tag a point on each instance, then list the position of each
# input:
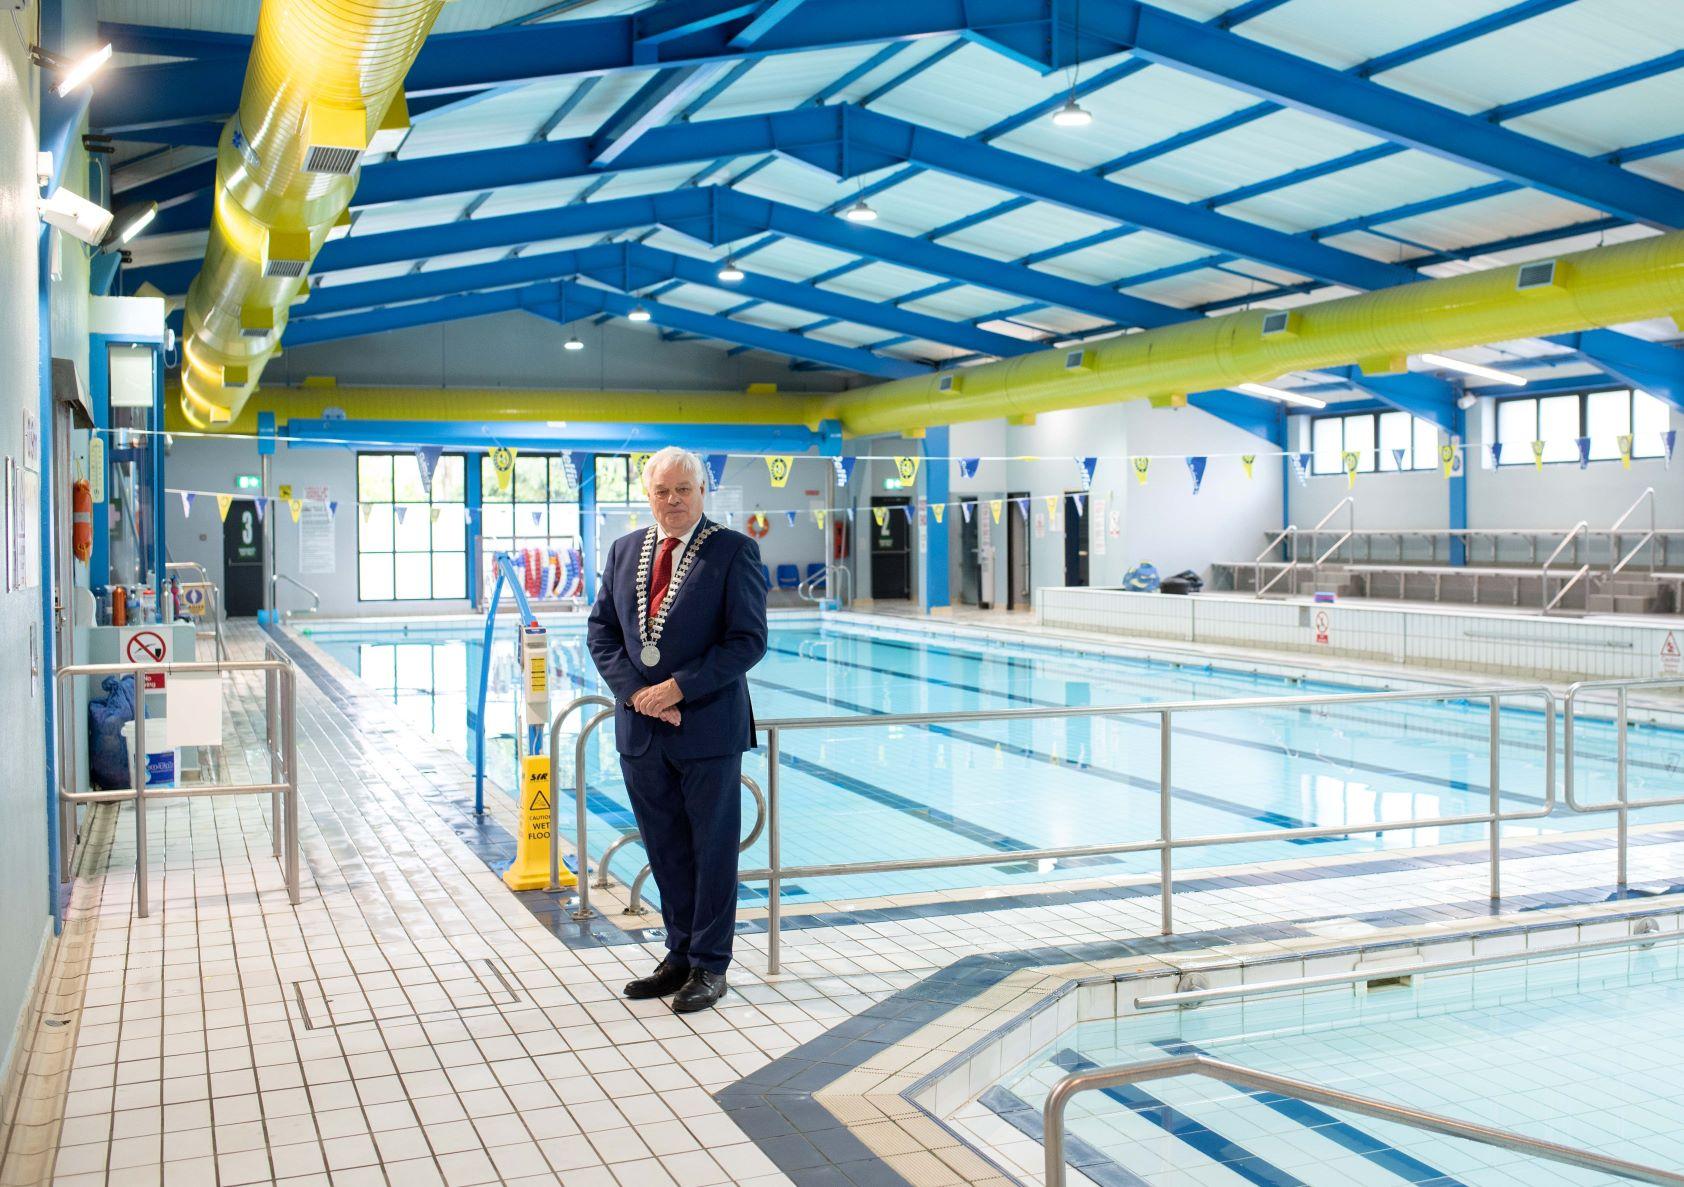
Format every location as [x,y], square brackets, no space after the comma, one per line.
[412,1022]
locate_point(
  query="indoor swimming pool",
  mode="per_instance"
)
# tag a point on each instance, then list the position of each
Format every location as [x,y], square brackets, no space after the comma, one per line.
[1581,1050]
[921,791]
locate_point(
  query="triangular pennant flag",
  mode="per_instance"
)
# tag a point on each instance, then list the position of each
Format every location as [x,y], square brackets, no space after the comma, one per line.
[968,465]
[295,506]
[1668,440]
[1140,466]
[1624,442]
[1023,508]
[1196,467]
[715,463]
[223,502]
[1584,451]
[907,468]
[778,467]
[1052,505]
[1350,460]
[579,463]
[262,507]
[967,509]
[818,517]
[1078,500]
[995,506]
[503,466]
[1447,458]
[537,517]
[880,514]
[1301,463]
[186,503]
[1087,465]
[937,509]
[791,516]
[844,469]
[426,460]
[365,510]
[401,511]
[1397,458]
[433,514]
[1496,454]
[1538,454]
[906,510]
[332,508]
[1248,460]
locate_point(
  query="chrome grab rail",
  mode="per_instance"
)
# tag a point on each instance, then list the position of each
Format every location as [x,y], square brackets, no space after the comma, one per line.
[1166,842]
[808,583]
[1287,565]
[1349,504]
[281,741]
[583,911]
[1058,1101]
[1621,803]
[213,596]
[1198,997]
[1619,560]
[634,898]
[1578,529]
[274,578]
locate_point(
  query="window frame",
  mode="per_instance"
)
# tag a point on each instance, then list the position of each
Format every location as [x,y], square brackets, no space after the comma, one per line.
[1523,456]
[554,495]
[432,551]
[1377,453]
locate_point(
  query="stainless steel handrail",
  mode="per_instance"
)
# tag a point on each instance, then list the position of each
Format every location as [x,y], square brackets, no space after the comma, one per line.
[1199,997]
[282,743]
[1618,560]
[1549,603]
[842,574]
[1349,504]
[1290,531]
[213,596]
[1058,1102]
[274,578]
[1166,842]
[583,911]
[1621,803]
[634,897]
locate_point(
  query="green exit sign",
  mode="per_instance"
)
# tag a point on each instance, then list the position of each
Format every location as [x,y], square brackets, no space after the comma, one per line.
[248,482]
[893,484]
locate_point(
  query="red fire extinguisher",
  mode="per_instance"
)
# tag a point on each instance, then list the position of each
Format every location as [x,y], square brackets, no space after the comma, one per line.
[81,520]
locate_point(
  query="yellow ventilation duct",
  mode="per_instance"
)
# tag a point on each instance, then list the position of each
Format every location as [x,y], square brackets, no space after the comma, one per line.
[1603,286]
[319,87]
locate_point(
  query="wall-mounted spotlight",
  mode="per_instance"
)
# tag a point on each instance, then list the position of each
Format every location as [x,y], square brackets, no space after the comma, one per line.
[87,221]
[71,74]
[638,313]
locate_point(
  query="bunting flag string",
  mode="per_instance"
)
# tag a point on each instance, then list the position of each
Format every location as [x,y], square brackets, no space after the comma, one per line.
[1248,460]
[906,509]
[818,517]
[367,509]
[186,504]
[578,463]
[936,509]
[968,465]
[995,507]
[1301,464]
[638,461]
[1496,454]
[844,469]
[332,508]
[1196,467]
[790,515]
[426,461]
[715,463]
[880,514]
[295,506]
[1583,444]
[907,468]
[1350,460]
[778,467]
[433,513]
[1141,464]
[967,509]
[1397,458]
[1023,508]
[401,511]
[537,518]
[261,506]
[223,503]
[503,467]
[1087,465]
[1538,454]
[1447,458]
[1668,440]
[1624,442]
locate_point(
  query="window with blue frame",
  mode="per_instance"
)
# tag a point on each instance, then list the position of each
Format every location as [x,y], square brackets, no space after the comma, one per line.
[412,544]
[1375,437]
[537,509]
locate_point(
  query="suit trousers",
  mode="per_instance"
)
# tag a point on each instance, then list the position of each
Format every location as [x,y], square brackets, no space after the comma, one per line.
[689,812]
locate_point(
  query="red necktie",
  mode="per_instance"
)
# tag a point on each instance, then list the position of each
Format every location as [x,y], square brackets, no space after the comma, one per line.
[663,575]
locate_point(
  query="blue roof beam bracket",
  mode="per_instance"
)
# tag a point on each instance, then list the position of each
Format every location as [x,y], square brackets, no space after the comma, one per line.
[1656,369]
[1296,82]
[1426,396]
[1259,417]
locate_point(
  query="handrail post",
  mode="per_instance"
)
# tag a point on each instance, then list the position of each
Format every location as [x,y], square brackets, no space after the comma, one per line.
[580,821]
[1623,819]
[1166,833]
[289,732]
[271,721]
[142,907]
[1495,829]
[774,884]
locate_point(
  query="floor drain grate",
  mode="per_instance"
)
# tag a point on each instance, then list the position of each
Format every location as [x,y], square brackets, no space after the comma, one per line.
[465,986]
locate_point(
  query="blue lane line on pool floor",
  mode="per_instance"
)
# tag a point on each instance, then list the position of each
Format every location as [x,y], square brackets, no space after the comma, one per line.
[1094,1163]
[1382,1154]
[1249,1166]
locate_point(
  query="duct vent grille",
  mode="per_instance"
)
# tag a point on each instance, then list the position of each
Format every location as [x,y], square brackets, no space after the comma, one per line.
[340,162]
[947,383]
[254,331]
[1279,322]
[291,269]
[1538,275]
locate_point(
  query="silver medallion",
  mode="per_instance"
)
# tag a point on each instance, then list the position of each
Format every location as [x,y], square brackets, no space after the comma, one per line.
[650,656]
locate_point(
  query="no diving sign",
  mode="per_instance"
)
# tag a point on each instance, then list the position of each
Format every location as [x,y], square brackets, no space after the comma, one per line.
[1669,655]
[1322,624]
[147,646]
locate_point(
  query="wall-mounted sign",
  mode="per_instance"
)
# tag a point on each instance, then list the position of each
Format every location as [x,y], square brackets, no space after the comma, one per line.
[248,482]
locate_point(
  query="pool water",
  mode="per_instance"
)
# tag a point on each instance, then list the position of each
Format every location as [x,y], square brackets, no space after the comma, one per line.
[923,791]
[1585,1051]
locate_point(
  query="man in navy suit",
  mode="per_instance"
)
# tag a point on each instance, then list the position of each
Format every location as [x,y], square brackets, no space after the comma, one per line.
[679,620]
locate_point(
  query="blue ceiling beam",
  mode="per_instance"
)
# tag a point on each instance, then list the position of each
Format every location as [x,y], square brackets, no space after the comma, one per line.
[1414,392]
[541,436]
[168,42]
[1656,369]
[653,105]
[1261,418]
[1305,85]
[768,16]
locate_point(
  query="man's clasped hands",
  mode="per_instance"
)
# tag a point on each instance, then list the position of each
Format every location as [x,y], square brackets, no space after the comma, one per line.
[659,701]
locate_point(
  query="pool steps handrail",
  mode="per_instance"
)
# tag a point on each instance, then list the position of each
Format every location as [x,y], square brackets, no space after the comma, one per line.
[1235,1076]
[1289,557]
[1618,560]
[634,897]
[582,910]
[276,578]
[1647,933]
[213,598]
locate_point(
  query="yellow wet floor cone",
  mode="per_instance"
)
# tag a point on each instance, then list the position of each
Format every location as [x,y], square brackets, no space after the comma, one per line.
[531,868]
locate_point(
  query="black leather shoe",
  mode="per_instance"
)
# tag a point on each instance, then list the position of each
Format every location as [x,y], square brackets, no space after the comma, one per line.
[699,992]
[669,977]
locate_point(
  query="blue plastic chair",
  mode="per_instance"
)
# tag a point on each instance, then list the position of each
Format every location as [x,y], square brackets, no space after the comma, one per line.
[789,577]
[815,575]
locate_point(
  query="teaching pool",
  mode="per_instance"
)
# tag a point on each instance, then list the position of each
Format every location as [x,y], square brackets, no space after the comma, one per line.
[898,791]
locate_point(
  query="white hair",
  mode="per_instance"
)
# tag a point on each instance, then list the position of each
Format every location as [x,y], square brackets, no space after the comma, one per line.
[673,455]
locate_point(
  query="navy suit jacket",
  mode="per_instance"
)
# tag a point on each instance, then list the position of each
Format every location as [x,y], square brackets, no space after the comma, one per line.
[715,632]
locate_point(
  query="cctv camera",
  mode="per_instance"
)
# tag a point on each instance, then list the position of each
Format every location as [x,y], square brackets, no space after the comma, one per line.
[71,212]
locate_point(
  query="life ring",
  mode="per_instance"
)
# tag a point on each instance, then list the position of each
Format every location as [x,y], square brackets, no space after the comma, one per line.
[758,525]
[573,578]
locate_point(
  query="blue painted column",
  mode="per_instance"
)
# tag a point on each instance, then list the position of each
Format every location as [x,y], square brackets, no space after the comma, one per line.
[473,501]
[937,489]
[99,395]
[585,463]
[1458,485]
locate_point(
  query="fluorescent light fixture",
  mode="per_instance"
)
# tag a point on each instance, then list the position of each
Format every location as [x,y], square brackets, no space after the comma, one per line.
[638,313]
[860,212]
[83,70]
[573,343]
[1281,394]
[1072,115]
[1491,373]
[129,223]
[729,272]
[556,424]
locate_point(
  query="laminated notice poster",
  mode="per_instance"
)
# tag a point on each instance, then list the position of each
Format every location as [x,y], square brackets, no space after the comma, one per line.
[1096,517]
[317,538]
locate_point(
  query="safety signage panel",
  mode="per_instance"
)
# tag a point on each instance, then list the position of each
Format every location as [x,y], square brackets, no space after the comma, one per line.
[147,646]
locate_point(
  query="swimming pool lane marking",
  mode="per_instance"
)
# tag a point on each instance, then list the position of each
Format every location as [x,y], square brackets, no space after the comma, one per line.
[1381,1153]
[1249,1166]
[1093,1162]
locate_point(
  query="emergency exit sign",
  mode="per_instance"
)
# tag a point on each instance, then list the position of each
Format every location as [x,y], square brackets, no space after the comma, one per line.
[248,482]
